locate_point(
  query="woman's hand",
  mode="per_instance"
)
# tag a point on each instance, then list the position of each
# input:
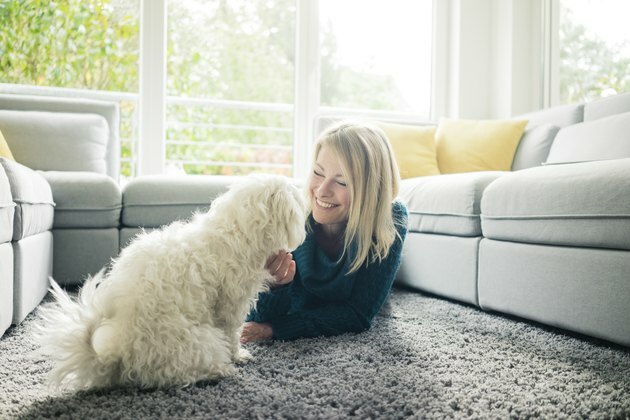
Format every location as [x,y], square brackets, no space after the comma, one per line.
[282,267]
[254,331]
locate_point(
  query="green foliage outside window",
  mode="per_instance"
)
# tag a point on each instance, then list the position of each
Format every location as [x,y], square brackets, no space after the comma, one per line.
[238,50]
[230,50]
[73,44]
[590,67]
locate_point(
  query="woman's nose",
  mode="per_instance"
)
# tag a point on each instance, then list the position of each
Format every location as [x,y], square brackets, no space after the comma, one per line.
[324,188]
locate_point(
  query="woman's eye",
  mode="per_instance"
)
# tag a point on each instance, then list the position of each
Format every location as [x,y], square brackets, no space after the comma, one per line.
[343,184]
[317,174]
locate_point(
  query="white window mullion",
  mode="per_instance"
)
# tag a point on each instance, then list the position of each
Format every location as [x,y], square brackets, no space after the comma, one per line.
[307,83]
[152,100]
[440,71]
[551,53]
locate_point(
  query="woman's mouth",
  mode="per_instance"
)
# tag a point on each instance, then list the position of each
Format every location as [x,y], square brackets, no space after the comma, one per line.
[324,205]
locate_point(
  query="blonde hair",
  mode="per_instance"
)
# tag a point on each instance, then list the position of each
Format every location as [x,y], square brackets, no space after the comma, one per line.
[371,173]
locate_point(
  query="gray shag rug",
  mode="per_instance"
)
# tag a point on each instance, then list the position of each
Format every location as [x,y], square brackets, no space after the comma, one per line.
[424,357]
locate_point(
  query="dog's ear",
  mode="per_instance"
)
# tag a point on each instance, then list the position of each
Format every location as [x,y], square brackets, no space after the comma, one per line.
[289,208]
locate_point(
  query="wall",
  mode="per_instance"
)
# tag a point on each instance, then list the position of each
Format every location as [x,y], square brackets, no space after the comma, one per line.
[488,58]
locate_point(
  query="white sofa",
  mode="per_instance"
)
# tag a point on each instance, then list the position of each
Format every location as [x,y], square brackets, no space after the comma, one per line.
[61,188]
[546,243]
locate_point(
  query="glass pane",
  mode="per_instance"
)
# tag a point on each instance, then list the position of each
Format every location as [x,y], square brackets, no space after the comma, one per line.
[594,49]
[91,44]
[376,55]
[88,44]
[230,86]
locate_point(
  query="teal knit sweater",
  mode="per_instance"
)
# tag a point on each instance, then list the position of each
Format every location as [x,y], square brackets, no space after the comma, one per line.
[322,299]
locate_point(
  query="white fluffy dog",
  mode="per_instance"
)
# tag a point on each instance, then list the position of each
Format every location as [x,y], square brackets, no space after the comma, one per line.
[170,310]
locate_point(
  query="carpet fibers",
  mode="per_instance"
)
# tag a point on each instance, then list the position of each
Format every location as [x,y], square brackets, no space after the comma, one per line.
[423,358]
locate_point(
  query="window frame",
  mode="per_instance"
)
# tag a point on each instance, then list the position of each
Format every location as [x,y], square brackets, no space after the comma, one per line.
[148,141]
[306,105]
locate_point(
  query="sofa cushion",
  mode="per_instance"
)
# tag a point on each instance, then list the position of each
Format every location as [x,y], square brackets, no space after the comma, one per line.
[477,145]
[414,147]
[446,204]
[84,199]
[57,140]
[604,138]
[7,208]
[605,107]
[534,146]
[156,200]
[580,204]
[561,116]
[5,152]
[32,196]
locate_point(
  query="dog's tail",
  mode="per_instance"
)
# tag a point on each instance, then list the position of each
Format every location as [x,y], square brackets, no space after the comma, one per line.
[65,335]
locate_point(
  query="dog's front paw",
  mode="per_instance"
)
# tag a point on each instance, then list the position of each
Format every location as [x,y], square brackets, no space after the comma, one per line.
[242,356]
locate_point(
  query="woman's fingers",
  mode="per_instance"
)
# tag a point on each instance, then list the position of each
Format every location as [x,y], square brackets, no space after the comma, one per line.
[276,262]
[289,274]
[254,331]
[280,264]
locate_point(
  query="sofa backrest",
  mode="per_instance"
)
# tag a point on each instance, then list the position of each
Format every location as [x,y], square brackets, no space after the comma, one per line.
[540,132]
[587,131]
[560,116]
[606,107]
[62,133]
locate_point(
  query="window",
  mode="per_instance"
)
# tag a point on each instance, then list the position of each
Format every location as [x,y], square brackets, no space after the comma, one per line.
[594,44]
[88,48]
[376,55]
[230,86]
[233,71]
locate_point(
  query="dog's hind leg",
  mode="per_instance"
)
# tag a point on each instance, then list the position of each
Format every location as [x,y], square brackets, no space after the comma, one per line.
[182,357]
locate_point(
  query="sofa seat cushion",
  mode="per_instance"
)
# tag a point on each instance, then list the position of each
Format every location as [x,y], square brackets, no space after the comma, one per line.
[156,200]
[7,208]
[446,204]
[34,206]
[57,140]
[84,199]
[581,204]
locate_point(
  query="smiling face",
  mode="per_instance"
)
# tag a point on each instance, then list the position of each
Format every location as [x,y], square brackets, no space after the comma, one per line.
[330,194]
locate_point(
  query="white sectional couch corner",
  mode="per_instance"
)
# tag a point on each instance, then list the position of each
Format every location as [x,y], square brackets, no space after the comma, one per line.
[549,243]
[546,243]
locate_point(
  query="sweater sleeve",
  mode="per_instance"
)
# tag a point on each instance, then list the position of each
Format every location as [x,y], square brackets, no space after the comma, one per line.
[354,315]
[270,304]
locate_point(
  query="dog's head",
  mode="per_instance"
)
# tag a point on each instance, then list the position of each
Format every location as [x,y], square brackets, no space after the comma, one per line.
[270,208]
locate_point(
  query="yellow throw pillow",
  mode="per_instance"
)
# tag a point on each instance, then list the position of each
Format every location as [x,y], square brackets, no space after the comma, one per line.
[5,152]
[477,145]
[414,148]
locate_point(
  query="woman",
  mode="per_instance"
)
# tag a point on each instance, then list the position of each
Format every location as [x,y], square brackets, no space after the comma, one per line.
[339,278]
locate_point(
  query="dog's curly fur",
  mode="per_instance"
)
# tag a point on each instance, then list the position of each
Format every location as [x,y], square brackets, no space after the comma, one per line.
[170,310]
